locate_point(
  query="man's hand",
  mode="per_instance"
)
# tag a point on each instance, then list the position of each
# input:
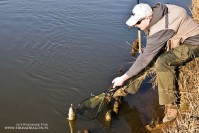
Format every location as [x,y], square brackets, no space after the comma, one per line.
[119,80]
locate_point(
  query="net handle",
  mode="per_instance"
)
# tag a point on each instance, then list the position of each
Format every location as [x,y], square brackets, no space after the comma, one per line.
[113,90]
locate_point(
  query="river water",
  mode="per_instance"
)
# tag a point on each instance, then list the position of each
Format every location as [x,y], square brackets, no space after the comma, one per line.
[57,52]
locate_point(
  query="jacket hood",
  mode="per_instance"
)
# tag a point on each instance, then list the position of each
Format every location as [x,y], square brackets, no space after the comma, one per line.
[159,10]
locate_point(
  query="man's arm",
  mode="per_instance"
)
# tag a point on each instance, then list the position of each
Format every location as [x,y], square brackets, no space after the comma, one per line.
[154,44]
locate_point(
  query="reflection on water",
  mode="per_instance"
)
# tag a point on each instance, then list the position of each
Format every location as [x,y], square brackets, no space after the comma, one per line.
[132,117]
[127,116]
[56,52]
[72,125]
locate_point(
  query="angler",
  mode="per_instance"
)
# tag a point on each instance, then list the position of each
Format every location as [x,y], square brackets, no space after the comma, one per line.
[173,36]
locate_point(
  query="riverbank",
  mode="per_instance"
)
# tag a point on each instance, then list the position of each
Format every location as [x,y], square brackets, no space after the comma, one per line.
[188,117]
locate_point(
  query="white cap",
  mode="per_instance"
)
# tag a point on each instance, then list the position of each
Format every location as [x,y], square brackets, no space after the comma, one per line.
[139,12]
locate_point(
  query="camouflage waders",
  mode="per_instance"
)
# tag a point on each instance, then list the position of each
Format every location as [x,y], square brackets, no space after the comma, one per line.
[165,70]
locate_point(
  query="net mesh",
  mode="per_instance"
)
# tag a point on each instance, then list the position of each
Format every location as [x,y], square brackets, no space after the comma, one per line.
[89,108]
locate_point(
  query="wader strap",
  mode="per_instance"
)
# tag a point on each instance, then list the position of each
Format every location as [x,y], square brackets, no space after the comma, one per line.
[166,21]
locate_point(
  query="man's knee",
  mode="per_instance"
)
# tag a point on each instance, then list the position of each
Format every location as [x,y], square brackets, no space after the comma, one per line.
[160,63]
[163,61]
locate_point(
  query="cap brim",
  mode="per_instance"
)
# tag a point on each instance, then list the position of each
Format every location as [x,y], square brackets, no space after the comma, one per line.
[132,21]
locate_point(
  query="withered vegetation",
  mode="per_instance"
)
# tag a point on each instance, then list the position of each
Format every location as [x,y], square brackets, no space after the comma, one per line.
[188,118]
[195,10]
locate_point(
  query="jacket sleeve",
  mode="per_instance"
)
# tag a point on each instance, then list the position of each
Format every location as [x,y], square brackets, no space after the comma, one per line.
[154,44]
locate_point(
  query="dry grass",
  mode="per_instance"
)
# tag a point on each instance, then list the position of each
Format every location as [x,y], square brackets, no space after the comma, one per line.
[195,10]
[188,85]
[188,118]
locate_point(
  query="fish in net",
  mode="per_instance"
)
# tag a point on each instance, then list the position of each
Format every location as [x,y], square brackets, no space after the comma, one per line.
[89,108]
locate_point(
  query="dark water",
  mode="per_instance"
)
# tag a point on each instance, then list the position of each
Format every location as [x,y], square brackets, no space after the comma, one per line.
[57,52]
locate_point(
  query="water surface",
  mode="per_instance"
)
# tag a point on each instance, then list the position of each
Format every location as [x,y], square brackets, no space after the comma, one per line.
[57,52]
